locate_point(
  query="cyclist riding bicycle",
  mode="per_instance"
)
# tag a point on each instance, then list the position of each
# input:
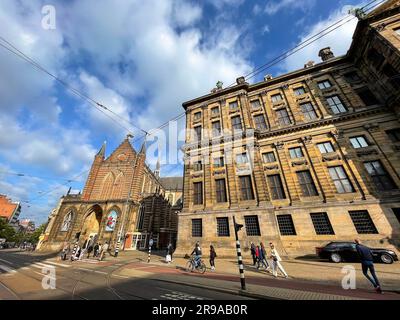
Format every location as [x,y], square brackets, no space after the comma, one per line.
[197,254]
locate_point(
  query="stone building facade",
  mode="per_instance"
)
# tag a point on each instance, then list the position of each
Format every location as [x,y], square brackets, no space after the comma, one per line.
[122,196]
[303,159]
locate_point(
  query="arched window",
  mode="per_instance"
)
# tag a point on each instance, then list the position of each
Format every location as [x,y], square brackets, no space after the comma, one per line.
[118,186]
[107,186]
[111,220]
[66,225]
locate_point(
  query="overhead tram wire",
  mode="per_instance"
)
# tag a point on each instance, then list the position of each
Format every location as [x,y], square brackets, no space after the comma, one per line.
[305,43]
[24,175]
[288,53]
[253,73]
[11,48]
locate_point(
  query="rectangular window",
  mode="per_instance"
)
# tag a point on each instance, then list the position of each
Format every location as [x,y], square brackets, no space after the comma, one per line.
[198,193]
[283,117]
[394,135]
[246,189]
[396,212]
[375,57]
[296,153]
[255,104]
[220,189]
[215,111]
[242,158]
[336,104]
[216,128]
[223,227]
[259,122]
[268,157]
[197,228]
[275,184]
[197,166]
[363,222]
[219,162]
[340,179]
[308,111]
[197,133]
[197,116]
[236,123]
[299,91]
[367,96]
[252,226]
[306,183]
[276,97]
[379,175]
[325,147]
[324,84]
[393,75]
[358,142]
[352,76]
[321,223]
[286,226]
[233,105]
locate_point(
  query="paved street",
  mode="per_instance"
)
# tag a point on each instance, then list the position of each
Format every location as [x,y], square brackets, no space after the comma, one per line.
[130,277]
[21,278]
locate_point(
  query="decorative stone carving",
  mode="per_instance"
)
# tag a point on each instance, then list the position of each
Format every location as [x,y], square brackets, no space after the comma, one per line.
[367,152]
[267,77]
[300,162]
[307,139]
[326,54]
[279,145]
[338,133]
[241,80]
[331,156]
[285,86]
[309,64]
[271,167]
[219,172]
[371,127]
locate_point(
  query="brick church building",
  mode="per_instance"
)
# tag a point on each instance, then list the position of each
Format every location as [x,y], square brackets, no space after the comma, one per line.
[122,197]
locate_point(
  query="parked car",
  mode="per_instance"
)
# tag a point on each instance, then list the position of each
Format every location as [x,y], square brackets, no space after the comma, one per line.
[346,251]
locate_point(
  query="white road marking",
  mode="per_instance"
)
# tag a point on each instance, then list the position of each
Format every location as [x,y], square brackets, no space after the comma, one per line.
[9,262]
[101,272]
[48,276]
[42,265]
[85,269]
[59,264]
[118,276]
[7,269]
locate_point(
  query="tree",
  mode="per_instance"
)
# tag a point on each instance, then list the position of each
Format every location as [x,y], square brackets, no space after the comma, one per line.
[34,236]
[6,231]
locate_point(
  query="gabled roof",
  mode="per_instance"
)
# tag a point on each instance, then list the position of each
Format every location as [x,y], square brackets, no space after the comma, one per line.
[124,148]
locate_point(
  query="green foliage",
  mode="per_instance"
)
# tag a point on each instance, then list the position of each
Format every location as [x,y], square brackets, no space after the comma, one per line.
[6,231]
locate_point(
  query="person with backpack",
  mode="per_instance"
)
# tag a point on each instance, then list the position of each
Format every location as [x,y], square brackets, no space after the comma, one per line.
[213,255]
[263,257]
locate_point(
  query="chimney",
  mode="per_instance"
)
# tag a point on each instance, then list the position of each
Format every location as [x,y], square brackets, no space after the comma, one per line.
[267,77]
[325,54]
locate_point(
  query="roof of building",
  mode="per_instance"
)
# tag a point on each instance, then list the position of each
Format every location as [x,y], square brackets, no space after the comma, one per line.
[172,183]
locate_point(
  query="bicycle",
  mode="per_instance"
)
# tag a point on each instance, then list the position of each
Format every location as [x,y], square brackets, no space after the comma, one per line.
[191,266]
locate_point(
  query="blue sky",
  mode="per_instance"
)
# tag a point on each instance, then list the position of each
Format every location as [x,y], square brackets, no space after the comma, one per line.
[141,59]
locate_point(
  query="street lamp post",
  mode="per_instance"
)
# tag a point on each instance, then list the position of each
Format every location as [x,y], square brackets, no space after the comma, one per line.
[239,254]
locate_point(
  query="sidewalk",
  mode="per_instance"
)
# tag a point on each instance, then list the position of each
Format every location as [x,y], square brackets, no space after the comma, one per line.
[309,280]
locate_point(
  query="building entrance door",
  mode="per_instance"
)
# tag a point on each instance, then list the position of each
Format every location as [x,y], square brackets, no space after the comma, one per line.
[139,241]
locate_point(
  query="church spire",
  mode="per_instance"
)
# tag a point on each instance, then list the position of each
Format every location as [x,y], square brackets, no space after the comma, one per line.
[157,171]
[102,151]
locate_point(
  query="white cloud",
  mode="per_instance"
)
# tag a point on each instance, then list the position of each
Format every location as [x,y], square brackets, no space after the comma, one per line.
[338,40]
[265,29]
[272,7]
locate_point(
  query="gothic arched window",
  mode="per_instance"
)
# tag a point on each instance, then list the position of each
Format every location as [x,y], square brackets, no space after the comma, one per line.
[107,186]
[66,225]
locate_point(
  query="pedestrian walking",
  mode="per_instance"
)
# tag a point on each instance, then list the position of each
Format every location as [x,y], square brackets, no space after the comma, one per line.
[77,252]
[82,254]
[367,263]
[276,262]
[213,255]
[104,250]
[168,257]
[253,253]
[96,250]
[263,257]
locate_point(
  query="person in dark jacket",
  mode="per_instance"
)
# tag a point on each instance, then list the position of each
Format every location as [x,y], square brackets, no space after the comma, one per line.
[213,255]
[367,263]
[253,253]
[197,253]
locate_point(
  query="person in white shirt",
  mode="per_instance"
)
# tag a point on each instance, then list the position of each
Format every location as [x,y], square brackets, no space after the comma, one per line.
[276,262]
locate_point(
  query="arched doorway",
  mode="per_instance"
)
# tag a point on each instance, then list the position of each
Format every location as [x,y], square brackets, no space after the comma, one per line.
[91,224]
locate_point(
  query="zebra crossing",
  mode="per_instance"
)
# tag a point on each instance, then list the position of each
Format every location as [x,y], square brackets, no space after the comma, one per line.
[8,268]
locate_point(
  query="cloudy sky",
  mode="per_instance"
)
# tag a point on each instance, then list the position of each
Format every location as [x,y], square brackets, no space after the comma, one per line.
[141,59]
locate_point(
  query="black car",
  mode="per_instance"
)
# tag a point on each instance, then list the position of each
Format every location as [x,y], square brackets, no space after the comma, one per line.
[346,251]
